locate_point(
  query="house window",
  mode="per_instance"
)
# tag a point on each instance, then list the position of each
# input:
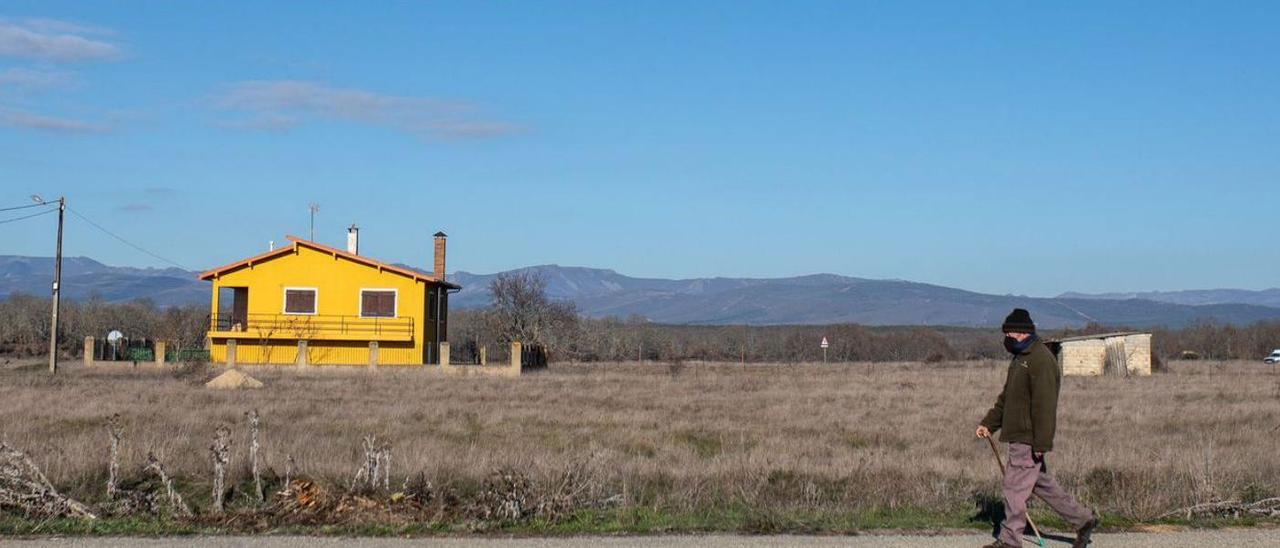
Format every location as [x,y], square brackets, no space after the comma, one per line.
[378,303]
[299,300]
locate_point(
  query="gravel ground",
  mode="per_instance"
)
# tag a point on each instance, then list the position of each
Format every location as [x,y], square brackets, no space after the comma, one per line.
[1222,537]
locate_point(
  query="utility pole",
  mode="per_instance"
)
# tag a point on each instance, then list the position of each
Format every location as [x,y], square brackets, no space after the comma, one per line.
[57,285]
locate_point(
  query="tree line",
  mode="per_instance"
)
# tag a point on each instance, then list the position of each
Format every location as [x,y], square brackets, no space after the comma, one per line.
[25,322]
[522,312]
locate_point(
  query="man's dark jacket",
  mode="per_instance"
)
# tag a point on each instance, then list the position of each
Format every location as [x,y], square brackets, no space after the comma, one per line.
[1027,409]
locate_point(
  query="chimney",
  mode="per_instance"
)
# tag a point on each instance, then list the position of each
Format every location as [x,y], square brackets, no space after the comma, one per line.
[439,266]
[353,239]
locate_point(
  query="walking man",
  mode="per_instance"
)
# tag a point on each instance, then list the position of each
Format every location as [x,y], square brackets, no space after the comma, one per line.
[1026,414]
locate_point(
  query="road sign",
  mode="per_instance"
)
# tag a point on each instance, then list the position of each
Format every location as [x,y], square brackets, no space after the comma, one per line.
[824,342]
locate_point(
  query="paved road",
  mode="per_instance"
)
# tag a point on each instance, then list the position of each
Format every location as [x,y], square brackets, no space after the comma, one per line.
[1225,537]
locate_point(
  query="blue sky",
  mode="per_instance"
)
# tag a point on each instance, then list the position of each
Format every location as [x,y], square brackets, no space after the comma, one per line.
[999,147]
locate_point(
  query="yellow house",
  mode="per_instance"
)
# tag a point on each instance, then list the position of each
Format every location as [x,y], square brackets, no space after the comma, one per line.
[311,304]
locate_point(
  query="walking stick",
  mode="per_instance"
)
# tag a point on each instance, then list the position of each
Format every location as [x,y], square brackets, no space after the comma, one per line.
[1000,463]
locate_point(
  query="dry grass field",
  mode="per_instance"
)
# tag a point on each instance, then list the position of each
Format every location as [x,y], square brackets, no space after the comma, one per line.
[880,438]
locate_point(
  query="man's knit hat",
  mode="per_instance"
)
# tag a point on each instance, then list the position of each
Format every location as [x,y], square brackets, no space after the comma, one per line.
[1018,321]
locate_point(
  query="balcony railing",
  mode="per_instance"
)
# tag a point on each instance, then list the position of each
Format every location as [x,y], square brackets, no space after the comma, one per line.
[296,326]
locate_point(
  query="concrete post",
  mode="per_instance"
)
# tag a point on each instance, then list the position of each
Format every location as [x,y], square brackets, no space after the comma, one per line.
[373,354]
[484,359]
[444,353]
[160,353]
[88,351]
[516,349]
[231,352]
[302,354]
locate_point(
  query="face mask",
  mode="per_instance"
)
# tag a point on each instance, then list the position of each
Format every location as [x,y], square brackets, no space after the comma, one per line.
[1011,344]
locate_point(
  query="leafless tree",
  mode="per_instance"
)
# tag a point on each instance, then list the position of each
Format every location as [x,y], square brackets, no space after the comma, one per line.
[521,311]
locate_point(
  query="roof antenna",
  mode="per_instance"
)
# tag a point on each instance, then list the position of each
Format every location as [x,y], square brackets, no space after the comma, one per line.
[314,207]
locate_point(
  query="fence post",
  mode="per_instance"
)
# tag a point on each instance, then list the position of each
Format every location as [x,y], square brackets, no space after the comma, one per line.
[373,354]
[301,359]
[159,349]
[444,353]
[88,351]
[484,359]
[231,352]
[516,349]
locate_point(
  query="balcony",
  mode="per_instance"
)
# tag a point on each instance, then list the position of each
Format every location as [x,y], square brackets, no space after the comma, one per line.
[309,327]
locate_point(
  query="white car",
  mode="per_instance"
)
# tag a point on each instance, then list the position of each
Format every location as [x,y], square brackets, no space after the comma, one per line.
[1273,358]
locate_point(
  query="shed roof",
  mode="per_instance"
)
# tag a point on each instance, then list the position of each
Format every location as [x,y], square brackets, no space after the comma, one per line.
[418,276]
[1100,336]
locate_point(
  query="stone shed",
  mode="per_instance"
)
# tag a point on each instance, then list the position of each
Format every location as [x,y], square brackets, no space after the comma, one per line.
[1119,354]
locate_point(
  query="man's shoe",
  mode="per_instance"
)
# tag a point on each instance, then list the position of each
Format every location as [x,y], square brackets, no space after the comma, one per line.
[1000,544]
[1085,531]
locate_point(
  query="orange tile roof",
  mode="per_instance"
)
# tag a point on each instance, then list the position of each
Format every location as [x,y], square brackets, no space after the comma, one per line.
[208,274]
[417,276]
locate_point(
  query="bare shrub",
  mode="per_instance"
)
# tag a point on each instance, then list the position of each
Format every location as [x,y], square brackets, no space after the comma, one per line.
[116,432]
[304,499]
[375,467]
[176,505]
[254,421]
[220,451]
[288,469]
[24,488]
[675,367]
[506,495]
[419,488]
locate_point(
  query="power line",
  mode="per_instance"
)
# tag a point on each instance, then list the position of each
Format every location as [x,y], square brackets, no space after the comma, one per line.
[124,241]
[24,206]
[46,212]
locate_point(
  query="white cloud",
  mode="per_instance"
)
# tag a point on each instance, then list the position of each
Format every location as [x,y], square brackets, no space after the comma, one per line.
[33,79]
[44,41]
[53,40]
[58,26]
[284,104]
[27,120]
[475,129]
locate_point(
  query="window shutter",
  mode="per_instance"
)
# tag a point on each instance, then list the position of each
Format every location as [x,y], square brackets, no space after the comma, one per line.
[300,301]
[378,304]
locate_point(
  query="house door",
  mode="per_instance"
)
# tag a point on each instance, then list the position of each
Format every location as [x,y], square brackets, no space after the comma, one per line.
[233,308]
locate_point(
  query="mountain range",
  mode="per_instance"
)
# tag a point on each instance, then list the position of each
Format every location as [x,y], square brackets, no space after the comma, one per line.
[1266,297]
[83,278]
[830,298]
[813,299]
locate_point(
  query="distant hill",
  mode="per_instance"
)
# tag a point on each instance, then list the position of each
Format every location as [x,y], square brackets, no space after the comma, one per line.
[1195,297]
[814,299]
[829,298]
[83,278]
